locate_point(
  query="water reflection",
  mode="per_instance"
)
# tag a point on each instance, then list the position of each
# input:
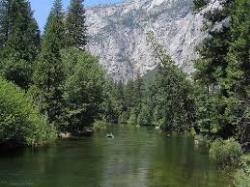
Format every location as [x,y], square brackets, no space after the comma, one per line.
[134,158]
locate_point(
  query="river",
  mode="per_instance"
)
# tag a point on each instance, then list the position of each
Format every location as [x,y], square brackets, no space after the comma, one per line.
[134,158]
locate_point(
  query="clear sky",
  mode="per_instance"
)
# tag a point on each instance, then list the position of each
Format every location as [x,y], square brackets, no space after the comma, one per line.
[42,8]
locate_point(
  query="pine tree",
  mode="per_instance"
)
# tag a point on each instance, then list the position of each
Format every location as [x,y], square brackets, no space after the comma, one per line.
[172,92]
[49,74]
[238,71]
[138,91]
[4,23]
[20,39]
[223,73]
[75,25]
[211,72]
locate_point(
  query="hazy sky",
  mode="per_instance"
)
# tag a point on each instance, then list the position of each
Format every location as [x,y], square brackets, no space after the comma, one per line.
[42,8]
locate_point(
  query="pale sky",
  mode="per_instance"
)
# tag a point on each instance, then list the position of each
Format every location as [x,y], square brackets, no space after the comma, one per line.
[42,8]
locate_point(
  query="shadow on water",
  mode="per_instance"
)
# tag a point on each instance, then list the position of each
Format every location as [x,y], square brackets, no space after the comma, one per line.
[134,158]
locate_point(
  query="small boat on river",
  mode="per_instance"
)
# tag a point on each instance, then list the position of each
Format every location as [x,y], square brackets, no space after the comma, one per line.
[110,135]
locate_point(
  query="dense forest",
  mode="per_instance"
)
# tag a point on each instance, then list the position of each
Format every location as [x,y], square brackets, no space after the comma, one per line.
[50,84]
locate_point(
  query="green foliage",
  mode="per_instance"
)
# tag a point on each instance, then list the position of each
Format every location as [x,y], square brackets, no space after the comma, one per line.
[84,91]
[242,179]
[173,97]
[20,40]
[222,73]
[238,70]
[170,95]
[226,153]
[100,125]
[17,70]
[242,175]
[20,121]
[198,4]
[132,120]
[49,74]
[4,23]
[75,25]
[145,117]
[113,106]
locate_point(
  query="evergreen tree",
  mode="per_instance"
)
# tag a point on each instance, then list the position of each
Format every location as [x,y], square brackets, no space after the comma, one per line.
[238,70]
[173,98]
[222,73]
[110,108]
[49,75]
[198,4]
[20,39]
[138,92]
[4,21]
[129,95]
[211,72]
[75,25]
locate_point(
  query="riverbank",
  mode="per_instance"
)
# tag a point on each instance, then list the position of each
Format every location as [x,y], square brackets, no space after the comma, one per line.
[242,175]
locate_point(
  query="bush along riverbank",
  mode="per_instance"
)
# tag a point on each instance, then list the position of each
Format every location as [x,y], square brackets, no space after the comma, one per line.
[21,124]
[229,157]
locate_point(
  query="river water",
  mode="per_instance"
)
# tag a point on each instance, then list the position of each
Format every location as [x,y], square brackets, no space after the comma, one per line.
[134,158]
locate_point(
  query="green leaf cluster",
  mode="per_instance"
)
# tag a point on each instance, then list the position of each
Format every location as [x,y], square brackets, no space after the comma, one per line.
[20,120]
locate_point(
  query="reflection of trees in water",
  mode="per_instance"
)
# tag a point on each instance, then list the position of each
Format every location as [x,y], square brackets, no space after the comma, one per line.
[134,158]
[69,163]
[177,163]
[127,158]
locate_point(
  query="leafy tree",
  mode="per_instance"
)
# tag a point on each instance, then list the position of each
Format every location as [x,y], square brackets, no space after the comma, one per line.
[20,39]
[75,25]
[84,91]
[20,121]
[49,74]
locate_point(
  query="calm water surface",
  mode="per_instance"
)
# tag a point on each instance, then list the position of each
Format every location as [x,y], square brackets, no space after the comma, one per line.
[134,158]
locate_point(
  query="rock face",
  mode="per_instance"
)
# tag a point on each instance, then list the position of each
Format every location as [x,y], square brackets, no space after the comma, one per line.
[118,35]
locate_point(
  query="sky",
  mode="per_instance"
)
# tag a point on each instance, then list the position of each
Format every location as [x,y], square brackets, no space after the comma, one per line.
[42,8]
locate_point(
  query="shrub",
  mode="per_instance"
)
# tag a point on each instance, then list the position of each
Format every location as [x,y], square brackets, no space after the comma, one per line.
[242,177]
[100,125]
[132,120]
[226,153]
[20,121]
[144,117]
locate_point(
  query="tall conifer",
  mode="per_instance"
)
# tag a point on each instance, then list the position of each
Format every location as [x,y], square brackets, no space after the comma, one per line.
[20,41]
[76,24]
[49,75]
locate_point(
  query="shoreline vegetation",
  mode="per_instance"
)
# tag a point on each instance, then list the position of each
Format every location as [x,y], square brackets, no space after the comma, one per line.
[51,87]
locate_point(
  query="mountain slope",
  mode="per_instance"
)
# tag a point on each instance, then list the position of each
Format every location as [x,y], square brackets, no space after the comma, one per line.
[118,35]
